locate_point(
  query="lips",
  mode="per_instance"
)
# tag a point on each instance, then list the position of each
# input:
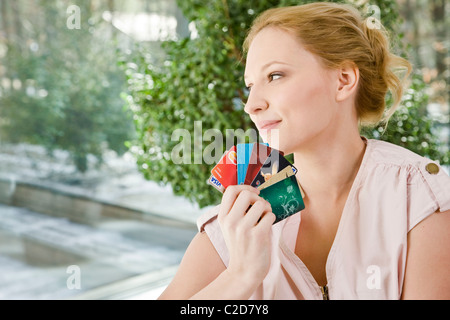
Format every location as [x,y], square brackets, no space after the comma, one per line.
[268,124]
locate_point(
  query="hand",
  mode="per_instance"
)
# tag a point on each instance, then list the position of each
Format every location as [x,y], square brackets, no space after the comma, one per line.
[246,223]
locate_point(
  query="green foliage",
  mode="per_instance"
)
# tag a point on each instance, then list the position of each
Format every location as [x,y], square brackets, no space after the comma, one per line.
[69,97]
[411,127]
[201,80]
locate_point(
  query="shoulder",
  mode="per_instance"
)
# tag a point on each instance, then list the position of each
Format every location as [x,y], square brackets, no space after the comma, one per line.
[396,173]
[383,152]
[208,223]
[207,218]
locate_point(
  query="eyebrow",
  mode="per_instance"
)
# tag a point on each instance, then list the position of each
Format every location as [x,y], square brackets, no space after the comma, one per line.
[269,64]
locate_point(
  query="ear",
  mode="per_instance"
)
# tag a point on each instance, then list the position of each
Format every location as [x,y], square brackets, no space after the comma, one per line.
[348,78]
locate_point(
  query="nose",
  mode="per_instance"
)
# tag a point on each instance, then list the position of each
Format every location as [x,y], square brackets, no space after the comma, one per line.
[255,102]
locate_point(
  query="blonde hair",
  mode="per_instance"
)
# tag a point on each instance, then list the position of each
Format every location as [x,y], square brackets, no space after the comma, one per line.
[338,34]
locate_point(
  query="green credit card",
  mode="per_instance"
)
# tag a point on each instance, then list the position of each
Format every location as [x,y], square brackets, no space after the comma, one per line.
[284,197]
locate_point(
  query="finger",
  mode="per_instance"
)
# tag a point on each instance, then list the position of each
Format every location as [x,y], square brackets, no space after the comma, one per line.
[230,195]
[267,220]
[244,200]
[255,213]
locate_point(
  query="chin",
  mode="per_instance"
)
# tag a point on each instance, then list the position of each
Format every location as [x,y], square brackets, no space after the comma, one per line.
[286,150]
[272,137]
[289,145]
[281,145]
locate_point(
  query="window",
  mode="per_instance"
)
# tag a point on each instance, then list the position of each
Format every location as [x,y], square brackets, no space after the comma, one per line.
[77,220]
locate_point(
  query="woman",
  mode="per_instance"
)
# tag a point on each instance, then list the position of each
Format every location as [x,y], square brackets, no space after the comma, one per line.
[377,215]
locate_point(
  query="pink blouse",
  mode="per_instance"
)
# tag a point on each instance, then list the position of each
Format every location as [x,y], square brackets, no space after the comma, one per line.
[394,190]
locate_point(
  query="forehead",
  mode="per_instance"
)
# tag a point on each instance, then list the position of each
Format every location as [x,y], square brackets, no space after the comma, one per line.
[273,44]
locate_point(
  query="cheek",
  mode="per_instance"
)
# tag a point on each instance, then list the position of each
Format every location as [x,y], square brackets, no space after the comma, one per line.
[309,102]
[308,111]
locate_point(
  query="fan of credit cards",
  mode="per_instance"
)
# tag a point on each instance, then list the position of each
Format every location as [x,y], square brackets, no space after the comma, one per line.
[262,167]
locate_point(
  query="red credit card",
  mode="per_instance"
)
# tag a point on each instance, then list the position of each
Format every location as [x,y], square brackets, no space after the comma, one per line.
[226,170]
[259,155]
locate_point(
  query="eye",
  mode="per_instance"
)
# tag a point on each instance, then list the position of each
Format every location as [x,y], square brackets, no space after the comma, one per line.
[275,76]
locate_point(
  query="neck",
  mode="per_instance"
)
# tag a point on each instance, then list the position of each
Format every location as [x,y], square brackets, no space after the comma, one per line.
[327,168]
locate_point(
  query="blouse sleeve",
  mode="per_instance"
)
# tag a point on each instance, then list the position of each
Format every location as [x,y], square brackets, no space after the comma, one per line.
[428,192]
[208,223]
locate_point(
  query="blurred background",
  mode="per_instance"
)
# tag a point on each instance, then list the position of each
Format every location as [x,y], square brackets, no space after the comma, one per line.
[90,94]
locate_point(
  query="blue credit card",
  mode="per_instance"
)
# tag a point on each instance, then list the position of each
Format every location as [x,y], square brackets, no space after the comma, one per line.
[244,151]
